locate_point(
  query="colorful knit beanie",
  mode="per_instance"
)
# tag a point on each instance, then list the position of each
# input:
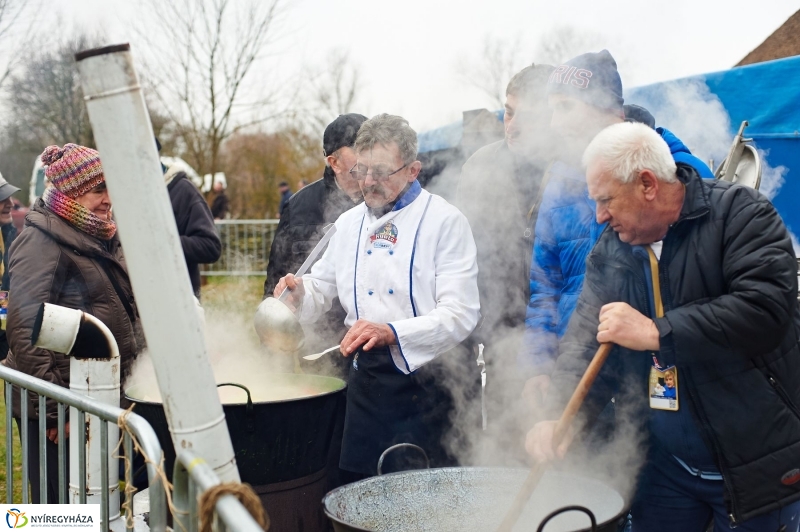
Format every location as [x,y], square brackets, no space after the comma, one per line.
[73,171]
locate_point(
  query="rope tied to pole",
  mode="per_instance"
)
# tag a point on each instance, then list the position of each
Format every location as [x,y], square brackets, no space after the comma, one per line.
[122,423]
[243,492]
[208,499]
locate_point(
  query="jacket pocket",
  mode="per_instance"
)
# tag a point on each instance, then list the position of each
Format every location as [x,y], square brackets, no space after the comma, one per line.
[783,395]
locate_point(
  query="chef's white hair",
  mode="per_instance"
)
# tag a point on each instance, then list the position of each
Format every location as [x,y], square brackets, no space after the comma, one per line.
[386,129]
[627,148]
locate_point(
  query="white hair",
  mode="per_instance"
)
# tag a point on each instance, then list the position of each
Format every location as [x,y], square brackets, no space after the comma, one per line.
[627,148]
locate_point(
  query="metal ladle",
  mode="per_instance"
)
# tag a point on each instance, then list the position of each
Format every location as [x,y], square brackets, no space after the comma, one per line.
[275,323]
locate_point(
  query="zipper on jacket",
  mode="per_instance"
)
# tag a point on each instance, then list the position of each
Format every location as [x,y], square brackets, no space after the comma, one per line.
[704,425]
[714,449]
[783,395]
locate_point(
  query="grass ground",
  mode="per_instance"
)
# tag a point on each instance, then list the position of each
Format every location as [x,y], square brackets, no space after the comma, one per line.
[236,295]
[17,457]
[240,295]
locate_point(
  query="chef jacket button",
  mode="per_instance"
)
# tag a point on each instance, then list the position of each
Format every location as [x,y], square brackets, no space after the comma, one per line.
[369,252]
[370,292]
[391,252]
[391,291]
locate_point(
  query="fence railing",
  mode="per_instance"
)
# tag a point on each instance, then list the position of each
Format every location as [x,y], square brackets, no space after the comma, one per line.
[245,247]
[83,406]
[194,476]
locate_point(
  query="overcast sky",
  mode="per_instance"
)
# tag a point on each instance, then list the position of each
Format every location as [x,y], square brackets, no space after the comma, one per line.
[407,51]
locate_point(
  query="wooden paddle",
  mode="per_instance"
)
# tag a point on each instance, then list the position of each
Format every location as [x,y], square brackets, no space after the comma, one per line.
[560,431]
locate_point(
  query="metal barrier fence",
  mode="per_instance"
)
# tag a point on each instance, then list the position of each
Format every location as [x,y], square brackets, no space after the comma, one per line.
[192,474]
[245,247]
[230,513]
[109,414]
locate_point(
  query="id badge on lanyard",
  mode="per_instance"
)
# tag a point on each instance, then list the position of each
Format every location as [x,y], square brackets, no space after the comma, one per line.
[663,383]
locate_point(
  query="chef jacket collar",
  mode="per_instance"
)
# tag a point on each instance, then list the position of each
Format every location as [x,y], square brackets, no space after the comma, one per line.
[406,196]
[410,195]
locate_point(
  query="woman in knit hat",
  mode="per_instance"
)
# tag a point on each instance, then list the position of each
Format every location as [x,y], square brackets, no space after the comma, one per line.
[69,255]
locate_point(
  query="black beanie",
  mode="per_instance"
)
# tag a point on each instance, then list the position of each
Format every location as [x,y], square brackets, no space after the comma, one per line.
[592,78]
[637,113]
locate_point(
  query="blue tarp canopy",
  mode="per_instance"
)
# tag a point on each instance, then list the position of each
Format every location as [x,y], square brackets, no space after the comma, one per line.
[441,138]
[767,95]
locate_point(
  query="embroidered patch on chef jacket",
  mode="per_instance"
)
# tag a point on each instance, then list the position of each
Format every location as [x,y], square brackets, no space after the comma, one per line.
[385,237]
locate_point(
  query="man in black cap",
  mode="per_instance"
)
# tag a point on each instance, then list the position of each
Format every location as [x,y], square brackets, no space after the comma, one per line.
[303,219]
[307,213]
[7,234]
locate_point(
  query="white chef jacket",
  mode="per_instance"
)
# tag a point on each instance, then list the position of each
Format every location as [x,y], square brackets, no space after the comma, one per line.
[413,268]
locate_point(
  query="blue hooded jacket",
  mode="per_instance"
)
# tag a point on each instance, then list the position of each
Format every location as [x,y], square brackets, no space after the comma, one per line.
[566,231]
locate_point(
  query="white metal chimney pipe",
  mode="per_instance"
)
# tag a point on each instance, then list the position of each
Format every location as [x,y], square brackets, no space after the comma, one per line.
[156,265]
[59,329]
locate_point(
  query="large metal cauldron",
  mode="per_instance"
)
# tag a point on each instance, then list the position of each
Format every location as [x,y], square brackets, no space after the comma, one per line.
[469,500]
[282,445]
[274,440]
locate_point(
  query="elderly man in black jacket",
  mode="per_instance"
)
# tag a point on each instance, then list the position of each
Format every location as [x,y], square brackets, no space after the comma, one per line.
[695,282]
[305,216]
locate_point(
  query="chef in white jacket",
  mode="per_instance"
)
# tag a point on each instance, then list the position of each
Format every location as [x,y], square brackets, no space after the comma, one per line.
[403,266]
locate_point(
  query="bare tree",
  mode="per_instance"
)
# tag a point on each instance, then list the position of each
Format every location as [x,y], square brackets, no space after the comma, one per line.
[15,25]
[490,73]
[335,89]
[45,96]
[565,42]
[44,106]
[199,60]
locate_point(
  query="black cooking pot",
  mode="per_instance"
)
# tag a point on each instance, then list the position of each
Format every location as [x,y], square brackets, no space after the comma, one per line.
[274,440]
[467,499]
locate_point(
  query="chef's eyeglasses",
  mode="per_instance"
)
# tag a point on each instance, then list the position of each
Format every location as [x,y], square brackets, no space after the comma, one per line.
[378,174]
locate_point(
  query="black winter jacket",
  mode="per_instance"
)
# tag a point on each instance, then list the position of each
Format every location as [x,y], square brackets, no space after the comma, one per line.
[199,238]
[729,288]
[300,228]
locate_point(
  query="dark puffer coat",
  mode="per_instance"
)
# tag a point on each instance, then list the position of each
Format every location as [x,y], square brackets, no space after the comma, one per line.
[54,262]
[731,327]
[199,239]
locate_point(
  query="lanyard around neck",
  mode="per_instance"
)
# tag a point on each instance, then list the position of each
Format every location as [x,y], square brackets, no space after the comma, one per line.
[659,310]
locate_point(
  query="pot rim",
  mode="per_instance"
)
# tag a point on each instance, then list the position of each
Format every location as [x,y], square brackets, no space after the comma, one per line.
[616,518]
[342,388]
